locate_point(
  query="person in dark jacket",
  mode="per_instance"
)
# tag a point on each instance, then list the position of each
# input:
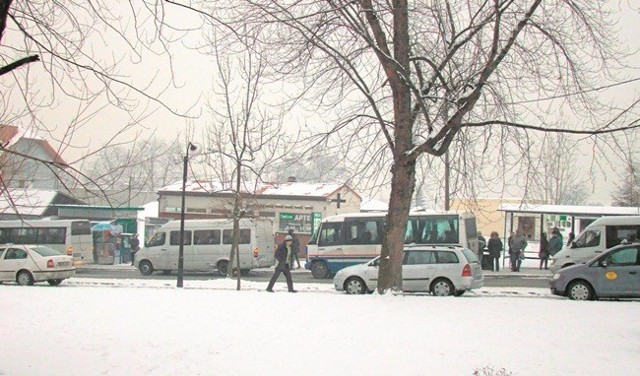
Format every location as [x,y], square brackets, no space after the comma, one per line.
[135,247]
[495,249]
[283,256]
[543,253]
[295,248]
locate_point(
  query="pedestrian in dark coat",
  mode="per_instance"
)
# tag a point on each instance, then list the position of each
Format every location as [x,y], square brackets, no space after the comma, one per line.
[543,253]
[283,256]
[135,247]
[295,248]
[495,249]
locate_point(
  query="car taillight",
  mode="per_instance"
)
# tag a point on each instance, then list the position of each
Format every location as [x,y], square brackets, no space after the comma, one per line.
[466,271]
[50,264]
[255,252]
[70,251]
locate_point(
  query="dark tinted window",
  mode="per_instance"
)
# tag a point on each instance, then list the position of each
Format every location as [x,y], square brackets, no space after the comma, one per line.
[206,237]
[617,234]
[447,257]
[23,235]
[80,228]
[419,258]
[245,236]
[157,240]
[51,235]
[330,234]
[174,238]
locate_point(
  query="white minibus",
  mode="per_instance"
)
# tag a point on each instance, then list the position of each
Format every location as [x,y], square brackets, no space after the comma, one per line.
[349,239]
[600,235]
[207,244]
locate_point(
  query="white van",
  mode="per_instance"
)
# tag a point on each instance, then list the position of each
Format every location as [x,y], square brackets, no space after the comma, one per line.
[600,235]
[207,244]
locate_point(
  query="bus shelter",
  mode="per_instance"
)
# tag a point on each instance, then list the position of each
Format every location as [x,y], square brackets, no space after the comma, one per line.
[533,220]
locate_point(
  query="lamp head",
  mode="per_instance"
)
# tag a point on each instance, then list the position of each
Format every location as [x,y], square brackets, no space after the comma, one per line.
[194,149]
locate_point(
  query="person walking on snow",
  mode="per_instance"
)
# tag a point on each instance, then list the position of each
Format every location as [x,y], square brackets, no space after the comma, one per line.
[495,249]
[283,255]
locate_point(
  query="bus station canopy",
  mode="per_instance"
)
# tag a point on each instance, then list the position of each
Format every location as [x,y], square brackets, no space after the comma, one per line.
[570,210]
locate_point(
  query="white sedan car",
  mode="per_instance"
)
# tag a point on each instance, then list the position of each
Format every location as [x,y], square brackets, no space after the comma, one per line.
[26,264]
[440,270]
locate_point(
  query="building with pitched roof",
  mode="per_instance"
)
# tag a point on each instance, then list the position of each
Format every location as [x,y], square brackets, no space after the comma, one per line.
[21,160]
[292,204]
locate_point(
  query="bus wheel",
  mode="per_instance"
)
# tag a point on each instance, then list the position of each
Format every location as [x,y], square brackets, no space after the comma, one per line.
[319,269]
[223,267]
[54,282]
[145,267]
[24,278]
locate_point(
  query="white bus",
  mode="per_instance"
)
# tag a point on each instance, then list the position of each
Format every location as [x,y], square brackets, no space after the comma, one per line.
[68,236]
[207,244]
[349,239]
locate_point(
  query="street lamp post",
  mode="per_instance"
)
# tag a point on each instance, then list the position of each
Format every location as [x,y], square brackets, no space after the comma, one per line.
[190,147]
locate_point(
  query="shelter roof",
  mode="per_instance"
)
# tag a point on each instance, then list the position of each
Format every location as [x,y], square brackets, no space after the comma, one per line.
[573,210]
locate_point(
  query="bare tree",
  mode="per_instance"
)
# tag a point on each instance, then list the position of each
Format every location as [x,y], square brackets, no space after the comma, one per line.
[243,137]
[411,78]
[627,191]
[63,64]
[557,178]
[143,166]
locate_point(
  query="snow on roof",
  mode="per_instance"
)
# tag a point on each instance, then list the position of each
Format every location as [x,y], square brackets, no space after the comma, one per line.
[373,205]
[26,201]
[570,209]
[10,135]
[301,189]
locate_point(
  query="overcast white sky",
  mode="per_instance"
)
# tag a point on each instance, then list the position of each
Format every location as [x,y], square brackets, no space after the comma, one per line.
[194,75]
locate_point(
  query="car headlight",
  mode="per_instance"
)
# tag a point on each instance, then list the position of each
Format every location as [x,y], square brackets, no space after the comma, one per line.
[556,276]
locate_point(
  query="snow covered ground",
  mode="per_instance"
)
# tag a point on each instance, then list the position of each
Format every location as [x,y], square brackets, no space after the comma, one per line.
[149,327]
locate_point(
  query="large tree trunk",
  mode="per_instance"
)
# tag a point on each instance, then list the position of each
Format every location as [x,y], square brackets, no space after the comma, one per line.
[403,171]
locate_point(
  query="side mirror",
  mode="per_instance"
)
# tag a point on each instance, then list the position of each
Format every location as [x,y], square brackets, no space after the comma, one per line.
[573,244]
[603,263]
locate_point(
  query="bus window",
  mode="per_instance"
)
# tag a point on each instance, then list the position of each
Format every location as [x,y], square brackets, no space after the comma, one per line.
[80,228]
[245,236]
[330,234]
[206,237]
[363,231]
[174,238]
[23,236]
[4,235]
[158,239]
[590,238]
[51,235]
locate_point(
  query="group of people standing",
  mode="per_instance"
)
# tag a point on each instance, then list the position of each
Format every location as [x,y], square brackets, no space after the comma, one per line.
[517,243]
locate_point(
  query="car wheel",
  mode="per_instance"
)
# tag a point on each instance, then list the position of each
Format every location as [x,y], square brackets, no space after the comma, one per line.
[54,282]
[355,285]
[319,269]
[459,292]
[145,267]
[580,290]
[223,267]
[24,278]
[442,287]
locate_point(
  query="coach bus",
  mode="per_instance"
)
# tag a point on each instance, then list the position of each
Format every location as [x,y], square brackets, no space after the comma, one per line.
[349,239]
[68,236]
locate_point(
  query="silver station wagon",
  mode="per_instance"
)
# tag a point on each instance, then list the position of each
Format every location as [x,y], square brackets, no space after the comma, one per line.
[440,270]
[613,274]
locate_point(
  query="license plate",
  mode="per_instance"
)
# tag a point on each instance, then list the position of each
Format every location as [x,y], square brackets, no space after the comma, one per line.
[64,263]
